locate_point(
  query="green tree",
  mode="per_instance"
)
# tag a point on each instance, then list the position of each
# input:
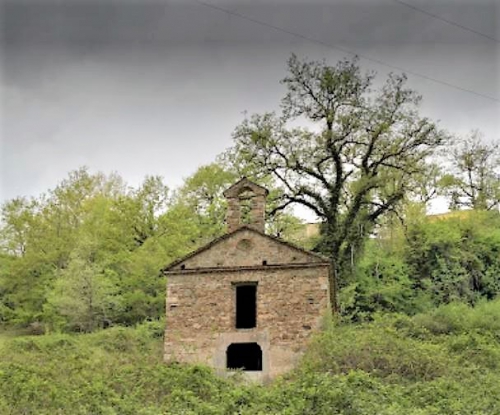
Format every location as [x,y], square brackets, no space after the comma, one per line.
[142,286]
[42,239]
[202,196]
[354,164]
[17,216]
[473,179]
[84,294]
[455,258]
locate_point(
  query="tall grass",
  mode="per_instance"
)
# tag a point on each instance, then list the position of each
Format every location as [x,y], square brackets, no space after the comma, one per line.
[441,363]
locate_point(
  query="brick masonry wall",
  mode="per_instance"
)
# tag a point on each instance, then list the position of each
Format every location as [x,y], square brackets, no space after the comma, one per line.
[200,313]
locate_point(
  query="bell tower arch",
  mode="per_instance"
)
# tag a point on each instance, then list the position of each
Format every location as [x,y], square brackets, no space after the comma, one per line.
[246,205]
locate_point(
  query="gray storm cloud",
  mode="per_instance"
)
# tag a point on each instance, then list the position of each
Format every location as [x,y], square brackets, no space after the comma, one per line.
[157,87]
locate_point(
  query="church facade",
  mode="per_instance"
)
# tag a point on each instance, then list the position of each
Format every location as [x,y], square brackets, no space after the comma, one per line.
[246,300]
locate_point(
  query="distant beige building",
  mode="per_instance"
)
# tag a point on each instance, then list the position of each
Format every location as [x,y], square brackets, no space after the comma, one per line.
[246,300]
[453,214]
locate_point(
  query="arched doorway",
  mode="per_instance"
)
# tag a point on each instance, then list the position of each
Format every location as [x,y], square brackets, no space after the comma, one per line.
[245,356]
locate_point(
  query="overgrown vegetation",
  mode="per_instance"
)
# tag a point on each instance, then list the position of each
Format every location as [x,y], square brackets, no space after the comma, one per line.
[438,363]
[87,255]
[427,262]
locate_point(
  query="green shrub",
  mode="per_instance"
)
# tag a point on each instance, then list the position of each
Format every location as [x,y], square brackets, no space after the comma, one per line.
[378,350]
[445,362]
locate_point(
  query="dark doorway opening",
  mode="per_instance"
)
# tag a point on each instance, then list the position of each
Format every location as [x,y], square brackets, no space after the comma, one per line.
[246,306]
[245,356]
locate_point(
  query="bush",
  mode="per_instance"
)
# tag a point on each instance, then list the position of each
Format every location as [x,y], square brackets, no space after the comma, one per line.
[445,362]
[426,264]
[378,350]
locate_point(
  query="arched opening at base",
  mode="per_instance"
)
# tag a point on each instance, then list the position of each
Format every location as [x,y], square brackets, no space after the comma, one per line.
[245,356]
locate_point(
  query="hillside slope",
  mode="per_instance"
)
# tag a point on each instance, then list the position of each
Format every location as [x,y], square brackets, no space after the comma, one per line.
[444,362]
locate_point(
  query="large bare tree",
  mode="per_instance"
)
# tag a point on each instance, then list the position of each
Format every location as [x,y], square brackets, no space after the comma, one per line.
[343,150]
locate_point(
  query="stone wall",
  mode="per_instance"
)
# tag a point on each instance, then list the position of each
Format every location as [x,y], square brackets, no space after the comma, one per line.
[248,248]
[257,214]
[236,195]
[200,310]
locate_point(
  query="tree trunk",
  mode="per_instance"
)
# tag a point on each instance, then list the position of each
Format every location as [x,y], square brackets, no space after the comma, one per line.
[334,288]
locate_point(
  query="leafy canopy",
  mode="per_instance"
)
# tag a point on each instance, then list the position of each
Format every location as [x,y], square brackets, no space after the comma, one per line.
[356,159]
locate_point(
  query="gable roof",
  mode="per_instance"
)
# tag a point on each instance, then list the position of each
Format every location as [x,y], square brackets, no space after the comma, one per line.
[244,183]
[230,234]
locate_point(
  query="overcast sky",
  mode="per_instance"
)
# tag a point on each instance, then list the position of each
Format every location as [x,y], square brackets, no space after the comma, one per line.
[156,87]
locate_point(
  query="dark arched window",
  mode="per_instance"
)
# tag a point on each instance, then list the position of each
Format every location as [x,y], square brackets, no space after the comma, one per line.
[245,356]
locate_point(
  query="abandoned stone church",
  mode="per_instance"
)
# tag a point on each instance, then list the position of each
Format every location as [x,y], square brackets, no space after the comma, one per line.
[246,300]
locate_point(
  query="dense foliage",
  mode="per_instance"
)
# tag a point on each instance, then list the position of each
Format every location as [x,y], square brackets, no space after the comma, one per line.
[440,363]
[89,253]
[428,261]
